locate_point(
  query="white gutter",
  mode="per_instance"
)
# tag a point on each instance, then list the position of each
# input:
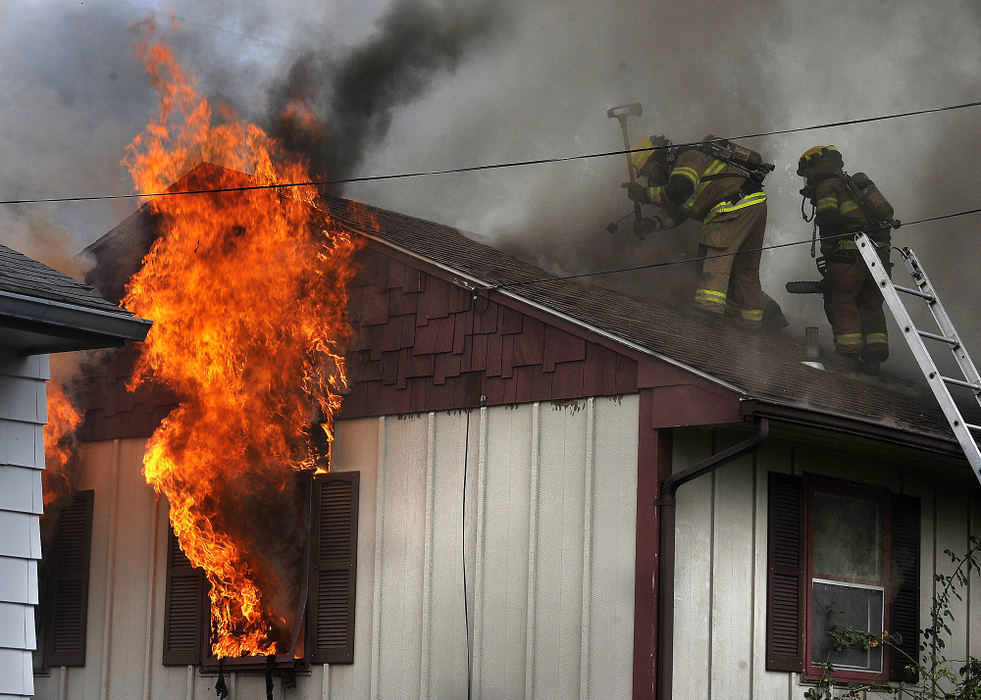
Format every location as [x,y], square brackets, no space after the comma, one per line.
[73,317]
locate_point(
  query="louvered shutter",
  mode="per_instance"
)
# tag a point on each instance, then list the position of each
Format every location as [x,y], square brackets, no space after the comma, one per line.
[333,572]
[785,574]
[185,609]
[904,617]
[70,584]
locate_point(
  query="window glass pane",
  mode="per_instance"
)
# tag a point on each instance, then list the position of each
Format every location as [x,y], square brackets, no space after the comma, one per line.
[856,606]
[847,537]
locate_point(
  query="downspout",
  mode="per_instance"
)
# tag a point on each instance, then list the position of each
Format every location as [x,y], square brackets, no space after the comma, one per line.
[666,528]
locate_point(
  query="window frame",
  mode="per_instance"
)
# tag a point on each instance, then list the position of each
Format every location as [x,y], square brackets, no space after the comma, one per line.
[881,497]
[199,654]
[788,577]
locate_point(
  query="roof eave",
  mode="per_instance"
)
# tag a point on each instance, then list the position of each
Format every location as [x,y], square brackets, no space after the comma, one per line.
[849,425]
[71,327]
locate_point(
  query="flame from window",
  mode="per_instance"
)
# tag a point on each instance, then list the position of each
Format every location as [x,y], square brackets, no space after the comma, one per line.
[248,294]
[58,438]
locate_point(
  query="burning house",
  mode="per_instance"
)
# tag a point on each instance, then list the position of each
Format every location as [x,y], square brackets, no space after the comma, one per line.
[531,487]
[362,455]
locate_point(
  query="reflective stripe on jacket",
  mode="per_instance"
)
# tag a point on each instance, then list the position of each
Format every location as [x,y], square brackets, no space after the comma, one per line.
[727,207]
[712,182]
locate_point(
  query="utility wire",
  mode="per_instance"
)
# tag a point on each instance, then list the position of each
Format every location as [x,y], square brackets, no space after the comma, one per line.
[684,261]
[478,168]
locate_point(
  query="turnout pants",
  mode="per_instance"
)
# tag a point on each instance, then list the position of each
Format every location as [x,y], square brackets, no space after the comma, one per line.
[853,304]
[732,283]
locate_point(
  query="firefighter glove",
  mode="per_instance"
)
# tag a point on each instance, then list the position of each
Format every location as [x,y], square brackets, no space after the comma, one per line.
[636,192]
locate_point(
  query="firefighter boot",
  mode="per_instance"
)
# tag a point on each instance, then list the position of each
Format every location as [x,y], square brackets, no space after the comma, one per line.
[773,318]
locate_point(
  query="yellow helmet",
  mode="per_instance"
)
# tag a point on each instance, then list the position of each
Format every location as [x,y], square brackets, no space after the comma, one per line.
[816,154]
[648,151]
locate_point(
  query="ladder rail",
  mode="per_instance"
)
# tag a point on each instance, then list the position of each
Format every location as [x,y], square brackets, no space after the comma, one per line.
[943,319]
[921,354]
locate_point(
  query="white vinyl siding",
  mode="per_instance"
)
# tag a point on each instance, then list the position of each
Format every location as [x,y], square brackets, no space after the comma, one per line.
[23,413]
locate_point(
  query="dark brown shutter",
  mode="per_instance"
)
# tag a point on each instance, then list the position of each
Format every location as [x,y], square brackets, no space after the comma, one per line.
[785,574]
[70,584]
[904,617]
[333,571]
[185,608]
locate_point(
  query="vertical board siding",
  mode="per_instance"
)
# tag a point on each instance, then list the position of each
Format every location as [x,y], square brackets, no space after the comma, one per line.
[732,577]
[414,517]
[505,563]
[614,517]
[559,599]
[403,553]
[493,541]
[533,507]
[448,616]
[721,600]
[693,573]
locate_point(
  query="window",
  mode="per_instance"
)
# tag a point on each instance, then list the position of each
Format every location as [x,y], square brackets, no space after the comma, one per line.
[330,595]
[64,585]
[840,553]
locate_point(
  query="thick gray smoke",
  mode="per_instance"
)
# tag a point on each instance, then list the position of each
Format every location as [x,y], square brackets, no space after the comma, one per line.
[356,96]
[415,85]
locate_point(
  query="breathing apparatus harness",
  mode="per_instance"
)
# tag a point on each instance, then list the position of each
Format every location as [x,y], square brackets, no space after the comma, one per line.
[860,188]
[747,162]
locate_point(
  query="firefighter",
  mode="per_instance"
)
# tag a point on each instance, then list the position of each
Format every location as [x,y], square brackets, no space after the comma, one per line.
[690,183]
[852,301]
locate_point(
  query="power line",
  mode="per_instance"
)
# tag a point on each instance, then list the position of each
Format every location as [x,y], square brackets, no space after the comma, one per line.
[685,261]
[477,168]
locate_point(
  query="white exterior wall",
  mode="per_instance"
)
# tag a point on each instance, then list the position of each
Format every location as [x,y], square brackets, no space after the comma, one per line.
[547,542]
[720,591]
[23,413]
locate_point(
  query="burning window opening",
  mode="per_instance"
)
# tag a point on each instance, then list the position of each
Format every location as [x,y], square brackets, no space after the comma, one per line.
[248,292]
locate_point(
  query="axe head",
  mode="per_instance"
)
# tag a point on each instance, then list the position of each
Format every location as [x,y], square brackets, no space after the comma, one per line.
[633,109]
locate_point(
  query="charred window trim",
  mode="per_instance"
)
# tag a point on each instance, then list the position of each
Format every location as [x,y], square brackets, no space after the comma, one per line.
[328,622]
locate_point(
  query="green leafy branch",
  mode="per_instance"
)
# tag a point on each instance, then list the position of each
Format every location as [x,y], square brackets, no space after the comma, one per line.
[933,668]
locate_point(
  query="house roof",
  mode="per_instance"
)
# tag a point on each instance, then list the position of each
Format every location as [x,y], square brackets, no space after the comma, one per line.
[764,368]
[44,311]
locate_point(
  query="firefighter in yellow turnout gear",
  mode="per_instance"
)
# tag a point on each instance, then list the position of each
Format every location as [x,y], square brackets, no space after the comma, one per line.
[852,301]
[692,183]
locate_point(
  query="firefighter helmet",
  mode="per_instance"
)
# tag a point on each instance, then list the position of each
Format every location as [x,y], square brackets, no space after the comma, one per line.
[648,152]
[818,154]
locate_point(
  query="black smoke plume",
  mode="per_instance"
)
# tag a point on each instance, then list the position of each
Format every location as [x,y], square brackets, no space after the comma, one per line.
[330,110]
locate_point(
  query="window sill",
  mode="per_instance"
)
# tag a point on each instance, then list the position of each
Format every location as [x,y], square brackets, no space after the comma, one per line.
[253,664]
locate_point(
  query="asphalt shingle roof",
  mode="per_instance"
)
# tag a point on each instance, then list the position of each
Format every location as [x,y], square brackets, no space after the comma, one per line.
[22,275]
[761,365]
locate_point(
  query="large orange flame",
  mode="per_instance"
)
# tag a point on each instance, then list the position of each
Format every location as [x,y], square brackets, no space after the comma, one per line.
[248,293]
[58,436]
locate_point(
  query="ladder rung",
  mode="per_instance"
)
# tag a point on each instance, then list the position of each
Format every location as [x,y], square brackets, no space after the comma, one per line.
[914,292]
[971,426]
[960,382]
[941,338]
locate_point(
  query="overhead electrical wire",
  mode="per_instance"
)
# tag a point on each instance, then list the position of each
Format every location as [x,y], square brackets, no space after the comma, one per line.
[475,168]
[668,263]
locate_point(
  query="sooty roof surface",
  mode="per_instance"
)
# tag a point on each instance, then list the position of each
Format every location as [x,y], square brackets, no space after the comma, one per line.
[760,365]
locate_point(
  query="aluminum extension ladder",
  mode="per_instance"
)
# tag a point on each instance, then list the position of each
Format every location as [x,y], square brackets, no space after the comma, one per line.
[914,338]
